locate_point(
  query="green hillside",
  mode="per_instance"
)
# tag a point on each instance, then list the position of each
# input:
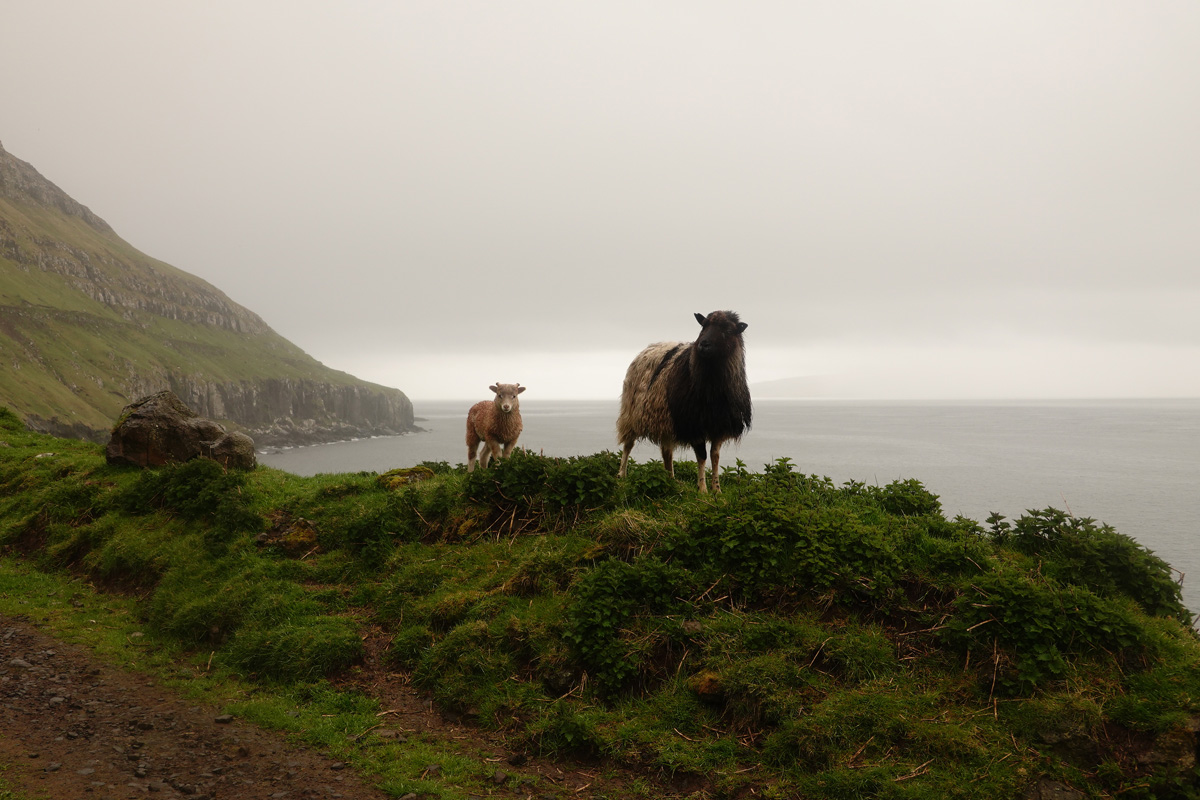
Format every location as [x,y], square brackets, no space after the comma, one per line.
[791,638]
[89,324]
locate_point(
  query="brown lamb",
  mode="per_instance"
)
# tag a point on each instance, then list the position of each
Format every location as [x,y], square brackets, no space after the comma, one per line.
[495,423]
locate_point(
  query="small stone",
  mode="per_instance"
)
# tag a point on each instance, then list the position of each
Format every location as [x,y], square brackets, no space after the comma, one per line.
[53,766]
[337,765]
[224,719]
[20,663]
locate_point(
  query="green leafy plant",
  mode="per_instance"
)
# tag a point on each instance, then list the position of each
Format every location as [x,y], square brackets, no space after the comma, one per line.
[604,601]
[1080,551]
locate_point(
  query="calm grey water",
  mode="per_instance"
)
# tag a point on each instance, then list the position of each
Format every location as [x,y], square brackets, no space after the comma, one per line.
[1132,464]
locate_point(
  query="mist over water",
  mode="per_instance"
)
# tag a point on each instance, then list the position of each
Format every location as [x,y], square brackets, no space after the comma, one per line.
[1134,465]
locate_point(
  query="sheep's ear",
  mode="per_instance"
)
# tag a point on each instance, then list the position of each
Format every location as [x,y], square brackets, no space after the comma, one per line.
[495,388]
[520,388]
[742,326]
[701,319]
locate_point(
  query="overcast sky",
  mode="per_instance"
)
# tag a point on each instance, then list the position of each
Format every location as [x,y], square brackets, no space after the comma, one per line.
[903,200]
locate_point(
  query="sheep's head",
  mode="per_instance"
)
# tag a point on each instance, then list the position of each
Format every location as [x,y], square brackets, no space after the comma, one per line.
[506,396]
[720,334]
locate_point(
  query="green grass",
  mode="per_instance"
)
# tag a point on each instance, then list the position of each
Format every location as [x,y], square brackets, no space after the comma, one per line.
[8,793]
[792,637]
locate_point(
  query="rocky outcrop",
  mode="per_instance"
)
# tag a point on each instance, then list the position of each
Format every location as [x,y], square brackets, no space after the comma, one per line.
[160,429]
[275,412]
[287,412]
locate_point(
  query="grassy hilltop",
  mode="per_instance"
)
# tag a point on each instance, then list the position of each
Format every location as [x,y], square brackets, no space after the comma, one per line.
[791,638]
[89,324]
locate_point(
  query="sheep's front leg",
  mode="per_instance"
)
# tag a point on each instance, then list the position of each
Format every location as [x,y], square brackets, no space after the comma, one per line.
[716,466]
[701,458]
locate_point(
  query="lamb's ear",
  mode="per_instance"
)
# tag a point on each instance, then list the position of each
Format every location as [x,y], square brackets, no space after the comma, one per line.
[701,319]
[495,388]
[520,388]
[742,326]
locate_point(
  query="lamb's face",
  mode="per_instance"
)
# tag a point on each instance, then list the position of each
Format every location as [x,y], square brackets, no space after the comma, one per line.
[506,396]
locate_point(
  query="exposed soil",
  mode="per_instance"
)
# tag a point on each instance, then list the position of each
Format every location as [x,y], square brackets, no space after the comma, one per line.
[72,726]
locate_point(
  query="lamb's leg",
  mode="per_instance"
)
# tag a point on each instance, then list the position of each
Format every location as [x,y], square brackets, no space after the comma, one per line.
[491,451]
[626,448]
[472,442]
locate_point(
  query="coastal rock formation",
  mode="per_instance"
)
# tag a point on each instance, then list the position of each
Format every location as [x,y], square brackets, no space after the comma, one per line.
[288,412]
[160,429]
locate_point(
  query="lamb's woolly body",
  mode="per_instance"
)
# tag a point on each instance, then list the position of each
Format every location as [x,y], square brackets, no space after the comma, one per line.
[496,423]
[678,393]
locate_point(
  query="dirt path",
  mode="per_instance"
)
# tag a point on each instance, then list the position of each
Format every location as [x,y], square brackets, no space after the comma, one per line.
[73,726]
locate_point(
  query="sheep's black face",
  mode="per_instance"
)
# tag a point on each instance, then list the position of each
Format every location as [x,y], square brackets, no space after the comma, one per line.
[720,335]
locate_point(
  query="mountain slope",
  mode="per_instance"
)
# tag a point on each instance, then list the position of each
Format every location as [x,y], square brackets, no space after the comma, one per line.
[89,324]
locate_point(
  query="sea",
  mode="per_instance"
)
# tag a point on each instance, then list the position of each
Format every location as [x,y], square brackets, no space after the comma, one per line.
[1132,464]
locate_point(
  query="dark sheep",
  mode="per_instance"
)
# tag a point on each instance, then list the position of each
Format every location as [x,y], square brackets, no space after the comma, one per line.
[678,394]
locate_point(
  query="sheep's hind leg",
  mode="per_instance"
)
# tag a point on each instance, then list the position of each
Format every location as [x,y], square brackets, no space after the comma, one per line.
[472,454]
[627,447]
[668,454]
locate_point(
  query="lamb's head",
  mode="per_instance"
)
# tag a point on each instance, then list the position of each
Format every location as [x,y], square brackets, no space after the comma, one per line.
[506,396]
[720,335]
